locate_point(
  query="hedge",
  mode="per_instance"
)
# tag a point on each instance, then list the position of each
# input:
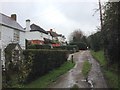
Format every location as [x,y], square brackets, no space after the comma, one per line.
[68,47]
[81,45]
[36,46]
[44,61]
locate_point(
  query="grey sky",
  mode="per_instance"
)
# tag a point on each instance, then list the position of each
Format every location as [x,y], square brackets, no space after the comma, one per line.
[63,16]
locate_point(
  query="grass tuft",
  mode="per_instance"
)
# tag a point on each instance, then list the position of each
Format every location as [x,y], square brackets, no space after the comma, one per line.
[75,87]
[86,68]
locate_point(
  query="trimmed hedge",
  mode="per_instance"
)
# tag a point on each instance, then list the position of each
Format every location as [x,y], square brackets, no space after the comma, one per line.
[81,45]
[72,48]
[36,46]
[44,61]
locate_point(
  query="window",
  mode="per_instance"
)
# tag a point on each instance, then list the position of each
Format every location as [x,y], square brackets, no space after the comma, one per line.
[16,36]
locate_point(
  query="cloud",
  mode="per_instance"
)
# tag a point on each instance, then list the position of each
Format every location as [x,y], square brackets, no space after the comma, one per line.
[64,17]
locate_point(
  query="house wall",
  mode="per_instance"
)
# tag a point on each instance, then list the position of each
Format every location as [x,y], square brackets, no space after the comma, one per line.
[49,36]
[1,62]
[60,39]
[7,37]
[0,36]
[54,38]
[34,36]
[22,40]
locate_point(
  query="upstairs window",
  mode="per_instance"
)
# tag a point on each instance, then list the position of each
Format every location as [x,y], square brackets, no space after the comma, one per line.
[16,36]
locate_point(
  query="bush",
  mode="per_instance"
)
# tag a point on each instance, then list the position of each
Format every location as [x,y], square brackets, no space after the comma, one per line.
[36,46]
[81,45]
[68,47]
[71,48]
[96,41]
[44,61]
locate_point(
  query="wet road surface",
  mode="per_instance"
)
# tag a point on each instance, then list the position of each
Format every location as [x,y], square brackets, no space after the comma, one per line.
[74,76]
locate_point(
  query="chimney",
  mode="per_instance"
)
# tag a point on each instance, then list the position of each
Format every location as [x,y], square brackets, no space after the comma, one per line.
[51,30]
[14,16]
[27,25]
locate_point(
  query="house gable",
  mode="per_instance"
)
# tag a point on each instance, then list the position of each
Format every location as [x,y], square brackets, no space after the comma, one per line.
[9,22]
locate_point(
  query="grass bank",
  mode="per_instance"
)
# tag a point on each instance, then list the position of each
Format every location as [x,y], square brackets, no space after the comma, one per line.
[86,68]
[99,56]
[45,80]
[111,77]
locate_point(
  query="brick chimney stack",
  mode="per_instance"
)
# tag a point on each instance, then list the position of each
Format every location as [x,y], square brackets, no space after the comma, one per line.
[14,17]
[51,30]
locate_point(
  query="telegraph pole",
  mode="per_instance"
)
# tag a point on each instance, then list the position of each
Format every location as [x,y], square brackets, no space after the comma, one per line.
[101,20]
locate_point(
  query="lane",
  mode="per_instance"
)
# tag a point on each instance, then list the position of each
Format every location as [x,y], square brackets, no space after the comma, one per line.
[74,76]
[95,74]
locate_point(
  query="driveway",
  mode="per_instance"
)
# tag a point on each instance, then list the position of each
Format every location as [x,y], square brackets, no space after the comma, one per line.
[74,76]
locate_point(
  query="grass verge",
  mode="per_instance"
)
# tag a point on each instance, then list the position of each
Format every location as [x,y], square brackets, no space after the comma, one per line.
[45,80]
[111,77]
[75,87]
[99,56]
[86,68]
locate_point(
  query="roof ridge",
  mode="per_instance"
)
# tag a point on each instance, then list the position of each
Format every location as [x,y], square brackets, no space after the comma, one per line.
[7,16]
[15,25]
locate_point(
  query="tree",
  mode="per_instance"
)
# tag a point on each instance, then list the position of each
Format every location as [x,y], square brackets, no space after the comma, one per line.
[96,41]
[111,31]
[77,38]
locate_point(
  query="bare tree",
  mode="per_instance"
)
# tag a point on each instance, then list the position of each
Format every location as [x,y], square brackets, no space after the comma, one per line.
[76,36]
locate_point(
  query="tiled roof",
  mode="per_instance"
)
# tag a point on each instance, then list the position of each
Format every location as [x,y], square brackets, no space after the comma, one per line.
[37,28]
[12,46]
[8,21]
[53,34]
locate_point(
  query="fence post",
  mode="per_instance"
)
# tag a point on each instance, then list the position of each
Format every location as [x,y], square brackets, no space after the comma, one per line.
[72,58]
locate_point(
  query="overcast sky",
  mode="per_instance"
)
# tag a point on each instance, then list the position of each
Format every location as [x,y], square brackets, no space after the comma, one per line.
[62,16]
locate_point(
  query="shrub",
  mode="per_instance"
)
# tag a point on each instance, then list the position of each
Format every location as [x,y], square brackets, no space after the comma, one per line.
[36,46]
[44,61]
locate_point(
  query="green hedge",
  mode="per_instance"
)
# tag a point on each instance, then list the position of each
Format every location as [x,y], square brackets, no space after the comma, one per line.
[44,61]
[81,45]
[36,46]
[68,47]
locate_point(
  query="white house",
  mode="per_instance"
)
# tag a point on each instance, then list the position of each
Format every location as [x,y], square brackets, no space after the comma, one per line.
[35,34]
[61,39]
[53,34]
[57,37]
[10,32]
